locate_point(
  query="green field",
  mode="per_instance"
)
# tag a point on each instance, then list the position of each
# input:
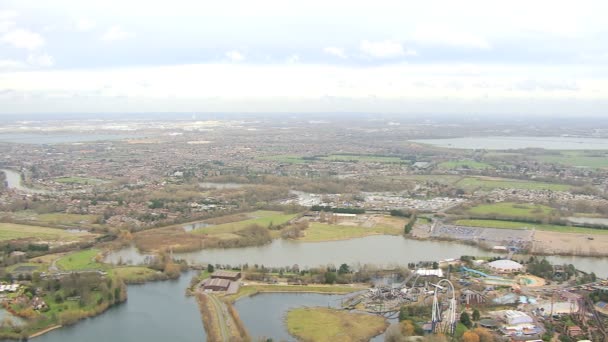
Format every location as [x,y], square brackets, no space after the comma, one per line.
[511,209]
[82,260]
[250,290]
[136,274]
[77,180]
[323,324]
[330,232]
[497,183]
[363,158]
[466,164]
[261,217]
[590,159]
[67,219]
[523,225]
[26,265]
[423,220]
[10,231]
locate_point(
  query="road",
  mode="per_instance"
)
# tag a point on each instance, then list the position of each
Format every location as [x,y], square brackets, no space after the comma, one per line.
[222,317]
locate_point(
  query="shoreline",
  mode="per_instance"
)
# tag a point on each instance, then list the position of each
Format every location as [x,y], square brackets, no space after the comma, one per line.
[44,331]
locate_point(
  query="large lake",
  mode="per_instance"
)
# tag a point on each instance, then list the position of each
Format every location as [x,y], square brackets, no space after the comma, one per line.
[512,143]
[382,250]
[154,312]
[275,306]
[59,138]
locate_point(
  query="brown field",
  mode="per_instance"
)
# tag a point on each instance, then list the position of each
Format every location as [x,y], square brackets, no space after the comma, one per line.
[546,242]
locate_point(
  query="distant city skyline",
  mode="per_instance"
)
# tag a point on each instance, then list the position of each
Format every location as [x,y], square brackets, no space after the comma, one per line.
[494,57]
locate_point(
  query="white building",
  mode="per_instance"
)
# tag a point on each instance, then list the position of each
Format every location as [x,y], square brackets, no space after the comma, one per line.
[517,317]
[505,266]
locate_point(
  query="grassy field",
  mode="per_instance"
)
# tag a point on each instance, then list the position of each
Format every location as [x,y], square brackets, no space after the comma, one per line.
[261,217]
[496,183]
[590,159]
[363,158]
[250,290]
[136,274]
[82,260]
[10,231]
[67,219]
[330,232]
[77,180]
[511,209]
[423,220]
[467,164]
[323,324]
[523,225]
[30,265]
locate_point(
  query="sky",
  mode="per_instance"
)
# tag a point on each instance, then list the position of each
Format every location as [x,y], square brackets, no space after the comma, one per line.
[464,57]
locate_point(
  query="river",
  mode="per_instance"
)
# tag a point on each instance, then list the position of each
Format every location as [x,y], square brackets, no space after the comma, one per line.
[511,143]
[154,312]
[13,181]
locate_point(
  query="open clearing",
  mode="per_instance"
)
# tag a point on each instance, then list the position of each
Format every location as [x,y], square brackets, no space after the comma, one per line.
[590,159]
[525,225]
[464,164]
[82,260]
[329,232]
[11,231]
[136,274]
[261,217]
[322,324]
[497,183]
[526,210]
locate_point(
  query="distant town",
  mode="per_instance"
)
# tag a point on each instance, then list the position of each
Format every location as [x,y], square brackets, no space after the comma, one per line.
[395,228]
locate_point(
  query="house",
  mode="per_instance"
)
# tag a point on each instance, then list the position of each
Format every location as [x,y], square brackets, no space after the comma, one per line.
[575,331]
[216,284]
[228,275]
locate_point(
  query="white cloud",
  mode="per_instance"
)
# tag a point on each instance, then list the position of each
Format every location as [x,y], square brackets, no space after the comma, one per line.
[385,49]
[115,33]
[235,56]
[23,39]
[335,51]
[9,64]
[441,35]
[293,59]
[41,60]
[84,25]
[8,14]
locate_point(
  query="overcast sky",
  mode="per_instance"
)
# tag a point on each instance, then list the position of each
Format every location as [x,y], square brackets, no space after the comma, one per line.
[537,57]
